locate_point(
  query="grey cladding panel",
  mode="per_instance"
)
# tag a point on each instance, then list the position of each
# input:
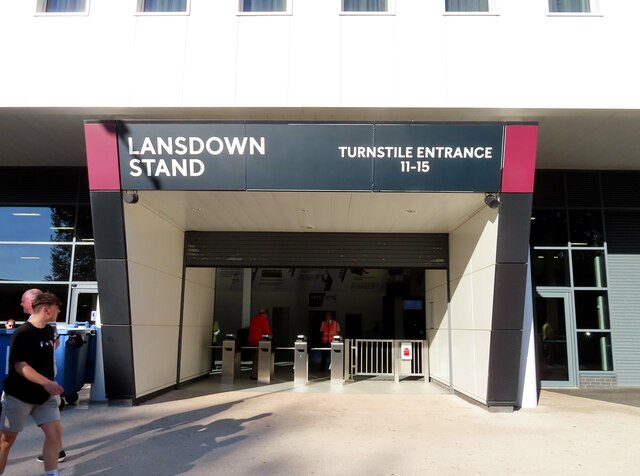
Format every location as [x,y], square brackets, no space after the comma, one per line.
[215,249]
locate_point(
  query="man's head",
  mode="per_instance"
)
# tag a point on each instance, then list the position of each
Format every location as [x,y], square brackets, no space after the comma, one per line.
[10,324]
[328,316]
[27,300]
[46,306]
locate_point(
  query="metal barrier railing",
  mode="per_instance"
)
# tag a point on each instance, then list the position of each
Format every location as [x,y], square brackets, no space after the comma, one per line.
[371,357]
[378,357]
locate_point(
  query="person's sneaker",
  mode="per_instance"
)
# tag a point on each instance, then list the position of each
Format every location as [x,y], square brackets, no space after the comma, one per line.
[61,457]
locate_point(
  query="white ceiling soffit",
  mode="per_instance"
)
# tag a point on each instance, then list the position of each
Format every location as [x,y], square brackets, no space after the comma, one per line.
[313,211]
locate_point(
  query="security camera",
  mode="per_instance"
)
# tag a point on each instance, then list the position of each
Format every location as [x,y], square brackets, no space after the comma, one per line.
[491,200]
[130,197]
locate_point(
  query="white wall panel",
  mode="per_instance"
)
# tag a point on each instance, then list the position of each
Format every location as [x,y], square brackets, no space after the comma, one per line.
[314,54]
[155,350]
[197,322]
[156,64]
[415,58]
[155,255]
[263,61]
[211,51]
[154,295]
[153,241]
[483,284]
[367,60]
[473,253]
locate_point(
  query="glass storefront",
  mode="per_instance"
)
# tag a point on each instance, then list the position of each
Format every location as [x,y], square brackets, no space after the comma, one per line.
[46,235]
[569,254]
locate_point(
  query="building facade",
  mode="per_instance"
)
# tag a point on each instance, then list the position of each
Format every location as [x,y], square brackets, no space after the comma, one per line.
[99,93]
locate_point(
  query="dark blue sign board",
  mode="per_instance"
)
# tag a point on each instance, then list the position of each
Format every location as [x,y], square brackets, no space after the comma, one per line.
[422,157]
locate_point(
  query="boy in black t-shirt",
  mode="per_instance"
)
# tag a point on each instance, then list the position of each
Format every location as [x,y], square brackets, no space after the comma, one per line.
[30,388]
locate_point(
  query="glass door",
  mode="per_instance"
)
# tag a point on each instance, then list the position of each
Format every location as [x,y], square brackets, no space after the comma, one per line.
[556,336]
[83,304]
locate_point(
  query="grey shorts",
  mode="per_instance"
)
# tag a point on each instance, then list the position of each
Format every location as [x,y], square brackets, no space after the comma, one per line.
[15,412]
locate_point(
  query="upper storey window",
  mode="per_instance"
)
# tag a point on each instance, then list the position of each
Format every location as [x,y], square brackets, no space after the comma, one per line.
[263,5]
[466,5]
[570,6]
[365,6]
[62,6]
[161,6]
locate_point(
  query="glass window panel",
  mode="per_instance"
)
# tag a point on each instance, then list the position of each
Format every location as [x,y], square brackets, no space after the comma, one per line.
[84,231]
[552,334]
[35,262]
[37,223]
[264,5]
[550,268]
[585,228]
[592,310]
[364,5]
[84,263]
[549,228]
[62,6]
[165,5]
[467,5]
[588,269]
[565,6]
[11,295]
[594,351]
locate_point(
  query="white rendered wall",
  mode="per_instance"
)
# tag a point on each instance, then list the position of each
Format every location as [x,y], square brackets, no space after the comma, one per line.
[472,255]
[417,57]
[436,304]
[197,322]
[155,254]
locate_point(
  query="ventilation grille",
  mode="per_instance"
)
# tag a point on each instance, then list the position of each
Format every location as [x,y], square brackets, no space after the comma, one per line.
[340,250]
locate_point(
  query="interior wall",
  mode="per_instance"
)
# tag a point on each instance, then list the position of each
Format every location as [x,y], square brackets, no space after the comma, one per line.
[472,270]
[155,256]
[197,322]
[437,324]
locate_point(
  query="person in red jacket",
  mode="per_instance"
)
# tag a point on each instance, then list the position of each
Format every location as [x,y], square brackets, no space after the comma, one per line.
[329,329]
[258,326]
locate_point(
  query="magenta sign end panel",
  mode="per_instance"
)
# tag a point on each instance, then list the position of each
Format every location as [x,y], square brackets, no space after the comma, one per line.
[102,155]
[519,158]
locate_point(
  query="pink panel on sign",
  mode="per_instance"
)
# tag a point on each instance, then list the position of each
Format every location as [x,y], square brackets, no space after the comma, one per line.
[102,156]
[519,158]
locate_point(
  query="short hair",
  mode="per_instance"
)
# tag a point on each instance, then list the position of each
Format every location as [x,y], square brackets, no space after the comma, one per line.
[46,299]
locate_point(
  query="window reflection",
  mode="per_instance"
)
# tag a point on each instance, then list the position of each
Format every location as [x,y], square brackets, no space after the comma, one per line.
[586,228]
[549,228]
[594,351]
[84,229]
[35,262]
[550,268]
[592,310]
[11,294]
[84,263]
[588,269]
[37,223]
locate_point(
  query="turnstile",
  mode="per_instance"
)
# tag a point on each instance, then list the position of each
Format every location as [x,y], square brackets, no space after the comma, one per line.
[265,360]
[337,361]
[230,359]
[300,361]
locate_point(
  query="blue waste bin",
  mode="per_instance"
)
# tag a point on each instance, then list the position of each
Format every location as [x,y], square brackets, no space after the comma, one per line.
[5,341]
[75,358]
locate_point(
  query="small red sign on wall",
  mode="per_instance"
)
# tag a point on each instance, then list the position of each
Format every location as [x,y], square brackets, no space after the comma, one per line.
[406,351]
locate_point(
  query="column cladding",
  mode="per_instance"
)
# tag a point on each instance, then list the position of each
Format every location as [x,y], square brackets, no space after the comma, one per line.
[111,259]
[511,265]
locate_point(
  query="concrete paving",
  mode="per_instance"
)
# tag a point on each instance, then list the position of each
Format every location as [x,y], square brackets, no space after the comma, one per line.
[365,428]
